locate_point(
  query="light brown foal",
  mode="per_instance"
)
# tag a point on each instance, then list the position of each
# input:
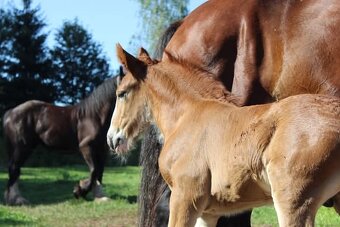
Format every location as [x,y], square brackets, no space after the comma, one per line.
[221,159]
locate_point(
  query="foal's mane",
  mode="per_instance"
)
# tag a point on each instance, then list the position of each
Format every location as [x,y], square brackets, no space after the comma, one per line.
[103,94]
[201,82]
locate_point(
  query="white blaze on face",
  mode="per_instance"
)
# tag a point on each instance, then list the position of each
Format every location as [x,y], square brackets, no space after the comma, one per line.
[113,133]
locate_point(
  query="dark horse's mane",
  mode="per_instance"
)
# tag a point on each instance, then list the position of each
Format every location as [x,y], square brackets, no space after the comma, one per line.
[92,105]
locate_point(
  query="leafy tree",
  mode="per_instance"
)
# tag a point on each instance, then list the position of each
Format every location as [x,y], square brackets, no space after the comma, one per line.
[25,65]
[79,63]
[156,16]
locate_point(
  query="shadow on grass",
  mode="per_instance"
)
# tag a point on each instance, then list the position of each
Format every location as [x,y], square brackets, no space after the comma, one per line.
[7,221]
[129,198]
[43,192]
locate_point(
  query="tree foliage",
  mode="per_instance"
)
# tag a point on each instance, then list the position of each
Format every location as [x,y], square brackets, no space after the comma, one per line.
[25,64]
[157,15]
[79,63]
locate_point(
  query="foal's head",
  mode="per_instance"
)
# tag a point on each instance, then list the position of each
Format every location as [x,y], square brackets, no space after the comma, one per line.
[131,114]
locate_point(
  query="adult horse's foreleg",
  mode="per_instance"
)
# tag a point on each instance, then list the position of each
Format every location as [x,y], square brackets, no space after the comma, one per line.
[95,162]
[84,186]
[17,157]
[99,164]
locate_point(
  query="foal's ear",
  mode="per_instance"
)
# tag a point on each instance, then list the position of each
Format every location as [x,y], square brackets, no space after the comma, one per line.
[132,64]
[120,75]
[144,56]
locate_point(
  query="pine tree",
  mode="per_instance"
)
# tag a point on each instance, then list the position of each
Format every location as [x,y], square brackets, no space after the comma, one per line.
[26,67]
[79,63]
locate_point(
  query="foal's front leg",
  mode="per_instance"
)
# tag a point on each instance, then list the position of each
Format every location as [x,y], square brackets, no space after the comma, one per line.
[186,205]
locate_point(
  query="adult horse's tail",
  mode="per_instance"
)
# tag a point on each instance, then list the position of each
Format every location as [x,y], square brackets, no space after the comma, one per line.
[153,202]
[154,193]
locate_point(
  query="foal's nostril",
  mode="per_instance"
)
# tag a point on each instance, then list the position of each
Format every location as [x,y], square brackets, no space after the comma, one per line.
[117,142]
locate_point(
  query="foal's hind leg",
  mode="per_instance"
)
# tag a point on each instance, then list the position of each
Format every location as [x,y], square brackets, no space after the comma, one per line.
[16,161]
[294,205]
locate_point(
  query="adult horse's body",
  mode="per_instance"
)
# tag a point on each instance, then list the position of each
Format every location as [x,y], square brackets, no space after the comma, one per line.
[218,158]
[81,127]
[284,47]
[260,50]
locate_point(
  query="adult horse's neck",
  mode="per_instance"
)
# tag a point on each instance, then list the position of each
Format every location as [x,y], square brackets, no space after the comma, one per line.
[173,89]
[100,102]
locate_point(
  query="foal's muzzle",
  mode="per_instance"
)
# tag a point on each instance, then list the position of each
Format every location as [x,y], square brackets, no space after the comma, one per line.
[117,142]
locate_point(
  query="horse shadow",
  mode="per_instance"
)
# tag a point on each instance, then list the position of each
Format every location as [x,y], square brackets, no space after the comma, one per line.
[43,191]
[129,198]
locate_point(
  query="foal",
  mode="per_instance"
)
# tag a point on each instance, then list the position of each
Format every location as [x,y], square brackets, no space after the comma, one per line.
[221,159]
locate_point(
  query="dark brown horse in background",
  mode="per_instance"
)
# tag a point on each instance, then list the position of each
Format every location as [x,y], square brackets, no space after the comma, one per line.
[261,51]
[81,127]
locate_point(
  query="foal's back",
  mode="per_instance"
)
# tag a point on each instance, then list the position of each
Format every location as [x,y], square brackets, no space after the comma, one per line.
[289,149]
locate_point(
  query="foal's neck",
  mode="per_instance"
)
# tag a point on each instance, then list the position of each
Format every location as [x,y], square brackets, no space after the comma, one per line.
[173,92]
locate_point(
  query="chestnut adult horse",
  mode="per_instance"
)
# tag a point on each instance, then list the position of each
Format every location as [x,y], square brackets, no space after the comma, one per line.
[219,158]
[260,50]
[81,127]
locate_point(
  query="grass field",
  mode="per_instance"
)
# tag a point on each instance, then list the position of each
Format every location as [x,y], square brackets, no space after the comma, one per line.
[52,204]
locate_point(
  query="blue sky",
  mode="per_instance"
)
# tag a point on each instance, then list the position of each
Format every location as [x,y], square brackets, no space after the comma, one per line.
[109,21]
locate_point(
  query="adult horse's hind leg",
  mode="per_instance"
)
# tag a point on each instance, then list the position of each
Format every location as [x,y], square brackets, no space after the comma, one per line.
[17,157]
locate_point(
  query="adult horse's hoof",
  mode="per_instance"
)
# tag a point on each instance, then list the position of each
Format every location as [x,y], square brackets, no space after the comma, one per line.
[81,189]
[102,199]
[13,199]
[76,191]
[79,192]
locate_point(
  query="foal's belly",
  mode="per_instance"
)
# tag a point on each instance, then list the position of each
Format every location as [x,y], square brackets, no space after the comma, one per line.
[251,195]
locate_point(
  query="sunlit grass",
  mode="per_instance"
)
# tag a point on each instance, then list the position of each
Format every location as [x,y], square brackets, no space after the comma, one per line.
[52,203]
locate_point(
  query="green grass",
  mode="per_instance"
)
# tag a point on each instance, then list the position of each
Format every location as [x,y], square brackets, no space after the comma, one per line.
[266,216]
[52,204]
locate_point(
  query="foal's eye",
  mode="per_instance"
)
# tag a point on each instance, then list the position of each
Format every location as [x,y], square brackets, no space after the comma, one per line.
[122,94]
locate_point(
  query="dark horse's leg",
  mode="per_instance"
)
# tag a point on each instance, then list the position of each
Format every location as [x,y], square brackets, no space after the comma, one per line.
[95,160]
[17,157]
[154,195]
[99,169]
[18,151]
